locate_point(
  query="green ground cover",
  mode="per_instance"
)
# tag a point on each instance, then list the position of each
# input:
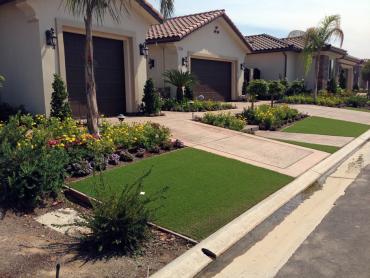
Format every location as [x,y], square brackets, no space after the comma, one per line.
[206,191]
[324,148]
[325,126]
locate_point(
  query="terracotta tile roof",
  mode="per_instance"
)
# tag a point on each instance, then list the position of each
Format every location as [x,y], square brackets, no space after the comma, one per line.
[267,43]
[298,42]
[177,28]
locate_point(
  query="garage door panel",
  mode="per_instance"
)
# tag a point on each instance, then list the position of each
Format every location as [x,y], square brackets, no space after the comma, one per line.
[214,79]
[109,74]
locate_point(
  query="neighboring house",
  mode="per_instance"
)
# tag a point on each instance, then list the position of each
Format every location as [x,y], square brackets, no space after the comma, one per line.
[28,62]
[273,58]
[207,44]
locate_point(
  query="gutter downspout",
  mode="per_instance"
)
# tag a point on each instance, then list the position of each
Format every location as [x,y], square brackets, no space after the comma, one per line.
[285,64]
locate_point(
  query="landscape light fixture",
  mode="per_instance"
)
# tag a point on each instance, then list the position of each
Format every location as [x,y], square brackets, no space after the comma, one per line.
[121,117]
[51,39]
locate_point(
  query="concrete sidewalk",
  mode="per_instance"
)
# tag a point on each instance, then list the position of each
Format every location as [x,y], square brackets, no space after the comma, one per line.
[337,141]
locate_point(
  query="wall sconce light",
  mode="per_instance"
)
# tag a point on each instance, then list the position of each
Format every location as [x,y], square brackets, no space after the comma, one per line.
[185,62]
[243,66]
[144,50]
[51,39]
[151,63]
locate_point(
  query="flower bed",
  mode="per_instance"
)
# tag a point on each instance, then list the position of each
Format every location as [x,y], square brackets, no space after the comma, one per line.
[195,106]
[271,118]
[225,120]
[330,101]
[38,153]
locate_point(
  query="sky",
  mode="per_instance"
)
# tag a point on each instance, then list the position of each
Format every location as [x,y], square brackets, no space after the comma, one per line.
[279,17]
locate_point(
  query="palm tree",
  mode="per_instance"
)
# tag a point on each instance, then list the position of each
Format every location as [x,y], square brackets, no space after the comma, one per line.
[316,38]
[181,80]
[98,9]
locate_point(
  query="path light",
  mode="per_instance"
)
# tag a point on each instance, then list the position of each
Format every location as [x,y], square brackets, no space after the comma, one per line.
[200,97]
[121,117]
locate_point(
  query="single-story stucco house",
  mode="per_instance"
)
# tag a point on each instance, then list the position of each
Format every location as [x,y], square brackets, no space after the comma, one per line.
[274,58]
[207,44]
[28,58]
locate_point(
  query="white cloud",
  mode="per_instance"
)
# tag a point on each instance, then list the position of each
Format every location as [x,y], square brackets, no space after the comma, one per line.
[292,14]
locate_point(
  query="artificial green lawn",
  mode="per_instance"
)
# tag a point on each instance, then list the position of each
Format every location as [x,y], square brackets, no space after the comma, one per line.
[324,148]
[206,191]
[325,126]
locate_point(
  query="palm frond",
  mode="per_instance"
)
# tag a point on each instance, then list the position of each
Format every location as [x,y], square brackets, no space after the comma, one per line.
[335,34]
[99,8]
[167,8]
[179,79]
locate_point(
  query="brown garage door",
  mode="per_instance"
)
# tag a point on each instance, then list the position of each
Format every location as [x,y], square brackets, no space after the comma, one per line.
[109,74]
[214,78]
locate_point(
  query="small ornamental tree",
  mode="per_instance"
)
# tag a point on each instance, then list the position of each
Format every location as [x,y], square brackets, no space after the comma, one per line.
[275,89]
[59,104]
[151,99]
[256,87]
[332,86]
[365,73]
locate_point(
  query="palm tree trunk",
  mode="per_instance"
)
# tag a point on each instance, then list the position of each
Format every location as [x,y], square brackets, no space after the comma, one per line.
[317,70]
[92,106]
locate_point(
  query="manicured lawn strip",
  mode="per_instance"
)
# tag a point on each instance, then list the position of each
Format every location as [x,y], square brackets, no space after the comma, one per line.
[325,126]
[206,191]
[324,148]
[358,109]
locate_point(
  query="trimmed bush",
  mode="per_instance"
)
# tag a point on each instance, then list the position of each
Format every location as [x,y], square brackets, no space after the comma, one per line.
[151,100]
[225,120]
[195,106]
[59,99]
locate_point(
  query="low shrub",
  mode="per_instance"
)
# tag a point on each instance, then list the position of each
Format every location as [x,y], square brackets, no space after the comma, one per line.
[195,106]
[117,223]
[225,120]
[30,170]
[357,101]
[326,99]
[268,118]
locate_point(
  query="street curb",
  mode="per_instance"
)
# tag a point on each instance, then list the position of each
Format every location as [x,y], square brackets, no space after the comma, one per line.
[194,260]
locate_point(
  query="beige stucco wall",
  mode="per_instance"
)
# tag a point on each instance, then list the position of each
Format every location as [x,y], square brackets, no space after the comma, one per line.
[20,58]
[44,61]
[203,43]
[270,64]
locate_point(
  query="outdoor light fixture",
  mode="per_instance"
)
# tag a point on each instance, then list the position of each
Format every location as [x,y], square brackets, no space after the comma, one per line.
[185,61]
[151,63]
[121,117]
[144,50]
[243,66]
[51,39]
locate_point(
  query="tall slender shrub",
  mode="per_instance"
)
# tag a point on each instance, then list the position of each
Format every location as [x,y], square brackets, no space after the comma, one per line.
[151,99]
[59,99]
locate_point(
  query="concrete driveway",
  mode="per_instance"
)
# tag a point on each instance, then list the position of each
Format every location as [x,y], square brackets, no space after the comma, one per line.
[334,113]
[277,156]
